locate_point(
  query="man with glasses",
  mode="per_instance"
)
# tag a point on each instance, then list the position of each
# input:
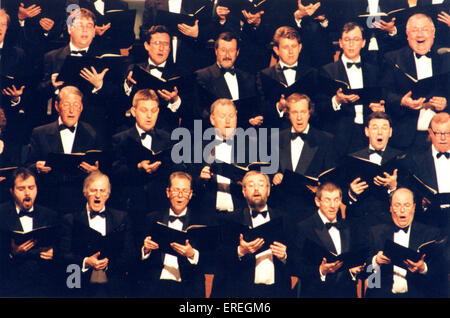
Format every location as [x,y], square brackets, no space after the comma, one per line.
[67,135]
[411,113]
[433,168]
[344,114]
[413,278]
[177,274]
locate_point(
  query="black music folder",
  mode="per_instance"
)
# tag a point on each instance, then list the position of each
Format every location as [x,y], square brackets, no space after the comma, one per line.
[44,236]
[144,79]
[70,162]
[165,235]
[234,171]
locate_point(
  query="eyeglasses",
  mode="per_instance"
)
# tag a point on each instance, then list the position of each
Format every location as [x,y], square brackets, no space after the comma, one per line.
[348,40]
[66,106]
[441,134]
[184,192]
[161,43]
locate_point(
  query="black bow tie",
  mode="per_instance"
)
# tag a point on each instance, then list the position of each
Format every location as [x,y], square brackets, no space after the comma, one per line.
[78,52]
[418,56]
[150,133]
[357,64]
[230,70]
[159,68]
[445,154]
[25,213]
[284,68]
[93,214]
[294,135]
[372,151]
[329,225]
[62,127]
[255,213]
[173,218]
[404,229]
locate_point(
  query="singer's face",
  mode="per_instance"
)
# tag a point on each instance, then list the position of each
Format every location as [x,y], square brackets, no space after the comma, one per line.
[352,43]
[159,48]
[82,32]
[146,114]
[288,50]
[440,136]
[329,204]
[179,194]
[379,132]
[256,190]
[226,53]
[402,207]
[97,194]
[420,33]
[3,26]
[24,192]
[299,115]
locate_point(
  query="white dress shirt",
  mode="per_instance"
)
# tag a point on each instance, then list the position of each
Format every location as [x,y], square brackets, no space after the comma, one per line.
[26,221]
[223,152]
[100,6]
[424,69]
[67,137]
[147,141]
[335,238]
[442,166]
[355,78]
[175,7]
[289,74]
[232,84]
[296,148]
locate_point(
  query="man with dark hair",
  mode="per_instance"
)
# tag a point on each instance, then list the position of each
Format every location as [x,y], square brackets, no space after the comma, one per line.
[287,72]
[340,113]
[369,198]
[28,261]
[303,150]
[224,80]
[425,277]
[66,135]
[320,235]
[98,238]
[176,102]
[179,273]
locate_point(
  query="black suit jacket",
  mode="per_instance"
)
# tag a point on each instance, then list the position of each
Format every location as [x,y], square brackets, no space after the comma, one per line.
[374,201]
[396,85]
[213,81]
[192,279]
[27,275]
[318,155]
[46,139]
[341,123]
[307,76]
[429,285]
[313,240]
[139,192]
[234,277]
[79,241]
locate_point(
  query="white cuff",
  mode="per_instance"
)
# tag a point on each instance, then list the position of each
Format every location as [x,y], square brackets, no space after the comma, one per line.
[280,113]
[174,106]
[196,257]
[127,88]
[336,105]
[143,255]
[13,103]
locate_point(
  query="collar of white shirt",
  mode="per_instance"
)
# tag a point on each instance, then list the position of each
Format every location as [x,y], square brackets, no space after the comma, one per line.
[346,60]
[284,64]
[434,152]
[18,209]
[304,131]
[74,48]
[60,122]
[324,218]
[172,213]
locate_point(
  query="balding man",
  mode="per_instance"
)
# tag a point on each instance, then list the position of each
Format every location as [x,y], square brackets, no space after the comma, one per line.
[412,114]
[413,279]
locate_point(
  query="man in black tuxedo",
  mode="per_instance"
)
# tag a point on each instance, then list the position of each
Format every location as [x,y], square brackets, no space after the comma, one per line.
[61,189]
[411,114]
[187,42]
[432,167]
[121,37]
[224,80]
[304,150]
[341,114]
[98,239]
[289,71]
[178,274]
[91,81]
[176,103]
[318,236]
[424,278]
[254,268]
[215,192]
[28,266]
[368,199]
[140,179]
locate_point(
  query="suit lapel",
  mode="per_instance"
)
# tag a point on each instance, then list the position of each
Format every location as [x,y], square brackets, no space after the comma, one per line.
[13,219]
[79,142]
[322,234]
[279,75]
[306,157]
[220,84]
[54,139]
